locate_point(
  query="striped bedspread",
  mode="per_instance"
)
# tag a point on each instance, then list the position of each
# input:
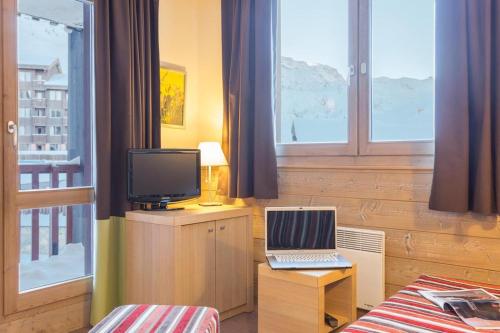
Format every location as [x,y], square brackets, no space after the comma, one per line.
[407,311]
[146,318]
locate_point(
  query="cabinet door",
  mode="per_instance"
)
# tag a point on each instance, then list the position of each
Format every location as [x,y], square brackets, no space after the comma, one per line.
[196,273]
[231,262]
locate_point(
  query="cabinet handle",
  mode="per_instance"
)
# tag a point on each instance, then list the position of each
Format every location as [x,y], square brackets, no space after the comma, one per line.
[210,229]
[222,227]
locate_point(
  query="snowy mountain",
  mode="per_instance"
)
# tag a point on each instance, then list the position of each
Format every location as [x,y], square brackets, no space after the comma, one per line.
[314,105]
[403,108]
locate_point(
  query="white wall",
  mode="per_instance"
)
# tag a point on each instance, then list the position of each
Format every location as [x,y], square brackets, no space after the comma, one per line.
[190,36]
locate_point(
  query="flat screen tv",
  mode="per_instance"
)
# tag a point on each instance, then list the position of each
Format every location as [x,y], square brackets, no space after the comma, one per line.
[159,176]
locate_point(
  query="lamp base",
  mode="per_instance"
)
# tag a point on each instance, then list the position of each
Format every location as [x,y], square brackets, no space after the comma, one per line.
[210,203]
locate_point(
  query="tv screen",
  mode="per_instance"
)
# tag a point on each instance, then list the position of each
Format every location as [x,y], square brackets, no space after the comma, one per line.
[159,174]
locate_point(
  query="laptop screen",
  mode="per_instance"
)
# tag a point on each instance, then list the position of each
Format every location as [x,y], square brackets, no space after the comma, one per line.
[300,229]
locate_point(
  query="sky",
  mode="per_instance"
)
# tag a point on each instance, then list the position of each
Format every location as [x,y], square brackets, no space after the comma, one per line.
[40,43]
[402,35]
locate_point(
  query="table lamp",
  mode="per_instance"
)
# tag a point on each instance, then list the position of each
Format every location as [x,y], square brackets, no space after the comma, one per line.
[211,155]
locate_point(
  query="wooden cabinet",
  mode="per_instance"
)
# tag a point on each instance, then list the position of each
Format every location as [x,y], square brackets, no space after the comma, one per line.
[197,264]
[196,256]
[231,265]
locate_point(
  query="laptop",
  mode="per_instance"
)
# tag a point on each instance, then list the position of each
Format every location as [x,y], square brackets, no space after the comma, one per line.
[302,238]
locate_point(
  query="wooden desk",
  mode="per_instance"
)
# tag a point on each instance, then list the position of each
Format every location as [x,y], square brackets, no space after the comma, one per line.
[296,301]
[196,256]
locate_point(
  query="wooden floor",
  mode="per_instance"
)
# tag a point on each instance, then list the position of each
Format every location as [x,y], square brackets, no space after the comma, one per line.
[243,323]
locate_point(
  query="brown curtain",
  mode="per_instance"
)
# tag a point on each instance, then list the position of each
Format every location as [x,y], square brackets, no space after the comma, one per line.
[127,93]
[467,156]
[248,61]
[127,116]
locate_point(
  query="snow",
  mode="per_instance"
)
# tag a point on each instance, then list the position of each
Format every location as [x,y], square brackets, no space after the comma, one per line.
[68,265]
[314,105]
[314,101]
[58,80]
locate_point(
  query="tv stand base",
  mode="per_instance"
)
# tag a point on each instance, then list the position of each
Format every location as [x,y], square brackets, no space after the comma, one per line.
[162,205]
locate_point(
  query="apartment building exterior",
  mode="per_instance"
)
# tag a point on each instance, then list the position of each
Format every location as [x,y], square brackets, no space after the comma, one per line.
[43,112]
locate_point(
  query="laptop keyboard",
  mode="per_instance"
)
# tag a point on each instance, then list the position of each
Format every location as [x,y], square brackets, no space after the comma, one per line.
[305,257]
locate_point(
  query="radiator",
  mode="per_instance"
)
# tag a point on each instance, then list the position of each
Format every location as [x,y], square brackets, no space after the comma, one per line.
[366,248]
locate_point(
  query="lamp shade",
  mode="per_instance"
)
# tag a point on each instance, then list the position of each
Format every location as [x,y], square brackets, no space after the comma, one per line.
[211,154]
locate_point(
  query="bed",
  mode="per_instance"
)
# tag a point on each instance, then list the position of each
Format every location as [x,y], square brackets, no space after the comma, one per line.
[407,311]
[159,318]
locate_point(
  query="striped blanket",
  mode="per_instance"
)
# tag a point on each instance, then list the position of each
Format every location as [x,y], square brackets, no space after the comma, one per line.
[159,318]
[407,311]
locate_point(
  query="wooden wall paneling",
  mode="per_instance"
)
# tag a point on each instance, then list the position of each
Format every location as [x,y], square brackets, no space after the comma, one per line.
[441,248]
[391,289]
[395,200]
[472,252]
[401,215]
[402,271]
[62,317]
[283,200]
[394,185]
[258,226]
[404,215]
[315,163]
[60,320]
[258,250]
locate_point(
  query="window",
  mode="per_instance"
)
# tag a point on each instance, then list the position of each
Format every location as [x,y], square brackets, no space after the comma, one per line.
[24,112]
[24,94]
[314,73]
[38,112]
[56,113]
[355,77]
[49,255]
[402,75]
[39,94]
[55,95]
[40,130]
[55,130]
[24,76]
[75,255]
[22,130]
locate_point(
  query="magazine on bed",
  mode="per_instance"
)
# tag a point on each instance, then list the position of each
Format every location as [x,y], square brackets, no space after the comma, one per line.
[476,307]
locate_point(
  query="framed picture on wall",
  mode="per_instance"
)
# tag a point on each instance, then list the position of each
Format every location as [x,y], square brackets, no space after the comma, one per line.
[172,95]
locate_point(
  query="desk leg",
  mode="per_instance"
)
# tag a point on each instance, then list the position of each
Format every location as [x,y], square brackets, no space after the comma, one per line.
[340,299]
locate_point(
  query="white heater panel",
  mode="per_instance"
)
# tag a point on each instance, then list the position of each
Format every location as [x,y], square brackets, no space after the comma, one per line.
[366,248]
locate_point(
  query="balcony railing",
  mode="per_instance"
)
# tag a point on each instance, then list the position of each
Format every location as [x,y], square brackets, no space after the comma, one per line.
[38,102]
[70,170]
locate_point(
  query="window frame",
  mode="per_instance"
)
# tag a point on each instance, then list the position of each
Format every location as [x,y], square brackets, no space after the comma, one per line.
[328,148]
[366,146]
[359,113]
[15,199]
